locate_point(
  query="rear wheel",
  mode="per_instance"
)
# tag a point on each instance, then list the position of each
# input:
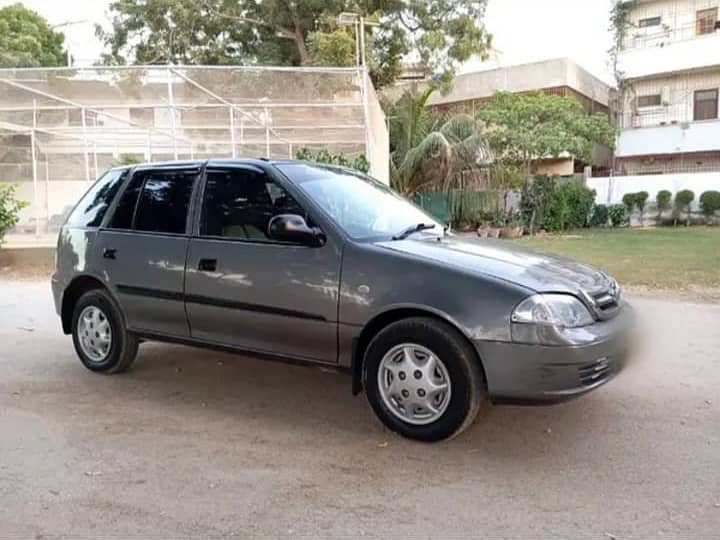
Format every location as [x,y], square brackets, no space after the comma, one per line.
[99,335]
[423,380]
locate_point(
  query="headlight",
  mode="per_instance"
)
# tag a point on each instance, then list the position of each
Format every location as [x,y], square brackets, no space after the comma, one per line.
[554,310]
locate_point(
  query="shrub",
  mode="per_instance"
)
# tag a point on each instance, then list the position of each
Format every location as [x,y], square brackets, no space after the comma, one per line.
[569,207]
[618,216]
[641,198]
[683,199]
[9,209]
[359,163]
[535,198]
[662,200]
[629,202]
[710,203]
[600,216]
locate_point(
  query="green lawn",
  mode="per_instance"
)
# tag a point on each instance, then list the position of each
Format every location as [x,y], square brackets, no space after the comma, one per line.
[664,258]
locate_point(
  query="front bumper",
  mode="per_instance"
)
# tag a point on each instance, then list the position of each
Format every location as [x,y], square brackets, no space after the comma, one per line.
[518,372]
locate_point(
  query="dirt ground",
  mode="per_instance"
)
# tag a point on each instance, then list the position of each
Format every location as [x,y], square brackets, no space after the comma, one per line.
[192,442]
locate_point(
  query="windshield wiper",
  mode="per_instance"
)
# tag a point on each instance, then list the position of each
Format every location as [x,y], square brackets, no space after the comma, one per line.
[402,235]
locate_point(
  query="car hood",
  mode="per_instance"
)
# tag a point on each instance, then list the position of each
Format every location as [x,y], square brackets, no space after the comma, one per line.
[538,271]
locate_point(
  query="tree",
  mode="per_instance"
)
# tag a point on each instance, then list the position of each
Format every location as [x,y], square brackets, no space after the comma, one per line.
[427,150]
[641,198]
[440,33]
[27,40]
[710,203]
[525,127]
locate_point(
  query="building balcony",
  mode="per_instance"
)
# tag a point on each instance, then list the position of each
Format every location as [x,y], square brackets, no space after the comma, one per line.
[681,138]
[667,53]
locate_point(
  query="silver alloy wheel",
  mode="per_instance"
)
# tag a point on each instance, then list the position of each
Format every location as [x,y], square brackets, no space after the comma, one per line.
[94,333]
[414,384]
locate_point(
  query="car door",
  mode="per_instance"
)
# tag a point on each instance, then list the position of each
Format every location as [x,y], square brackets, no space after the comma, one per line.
[144,245]
[246,290]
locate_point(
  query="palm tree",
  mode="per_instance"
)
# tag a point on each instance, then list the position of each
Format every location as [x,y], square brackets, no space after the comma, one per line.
[431,151]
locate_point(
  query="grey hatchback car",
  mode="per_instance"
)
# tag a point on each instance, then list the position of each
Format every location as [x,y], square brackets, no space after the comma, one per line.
[325,266]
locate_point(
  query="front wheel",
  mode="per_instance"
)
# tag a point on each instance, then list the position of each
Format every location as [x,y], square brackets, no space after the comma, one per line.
[423,380]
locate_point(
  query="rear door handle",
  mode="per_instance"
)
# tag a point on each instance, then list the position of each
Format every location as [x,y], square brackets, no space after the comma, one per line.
[109,253]
[207,265]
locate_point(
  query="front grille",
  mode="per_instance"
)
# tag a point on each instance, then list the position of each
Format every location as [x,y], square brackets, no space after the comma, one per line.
[597,371]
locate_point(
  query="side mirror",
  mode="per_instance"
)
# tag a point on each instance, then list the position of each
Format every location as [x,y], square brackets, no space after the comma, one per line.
[292,228]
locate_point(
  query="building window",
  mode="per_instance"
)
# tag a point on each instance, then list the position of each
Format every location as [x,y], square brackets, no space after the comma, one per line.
[653,100]
[650,21]
[706,105]
[706,21]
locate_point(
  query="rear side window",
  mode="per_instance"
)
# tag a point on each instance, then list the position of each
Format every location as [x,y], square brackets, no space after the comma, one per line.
[164,201]
[91,209]
[125,209]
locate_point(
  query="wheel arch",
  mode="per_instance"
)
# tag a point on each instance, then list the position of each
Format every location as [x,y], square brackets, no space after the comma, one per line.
[77,287]
[387,317]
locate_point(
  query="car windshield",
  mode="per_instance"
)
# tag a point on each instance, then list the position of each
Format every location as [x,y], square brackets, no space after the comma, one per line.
[363,207]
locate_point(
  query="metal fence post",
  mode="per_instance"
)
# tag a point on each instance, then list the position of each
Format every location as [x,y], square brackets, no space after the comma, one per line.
[85,145]
[232,130]
[171,107]
[33,143]
[267,134]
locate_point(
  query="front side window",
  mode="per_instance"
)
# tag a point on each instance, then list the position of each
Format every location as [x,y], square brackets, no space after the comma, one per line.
[239,203]
[91,209]
[164,201]
[363,207]
[706,105]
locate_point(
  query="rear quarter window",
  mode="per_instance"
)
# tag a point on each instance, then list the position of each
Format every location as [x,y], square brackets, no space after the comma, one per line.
[91,209]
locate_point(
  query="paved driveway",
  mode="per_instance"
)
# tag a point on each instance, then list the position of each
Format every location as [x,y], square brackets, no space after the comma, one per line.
[196,442]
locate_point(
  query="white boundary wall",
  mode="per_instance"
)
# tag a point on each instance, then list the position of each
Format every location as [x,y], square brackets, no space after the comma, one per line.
[611,190]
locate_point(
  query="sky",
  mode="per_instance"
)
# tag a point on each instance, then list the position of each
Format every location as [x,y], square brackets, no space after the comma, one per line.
[524,30]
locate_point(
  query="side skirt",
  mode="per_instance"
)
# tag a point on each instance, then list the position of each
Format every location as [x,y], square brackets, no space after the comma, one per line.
[153,336]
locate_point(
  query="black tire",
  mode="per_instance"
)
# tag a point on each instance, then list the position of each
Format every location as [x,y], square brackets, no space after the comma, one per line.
[123,346]
[468,387]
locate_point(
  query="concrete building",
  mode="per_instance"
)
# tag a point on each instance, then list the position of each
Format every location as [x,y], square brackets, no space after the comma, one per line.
[669,65]
[561,77]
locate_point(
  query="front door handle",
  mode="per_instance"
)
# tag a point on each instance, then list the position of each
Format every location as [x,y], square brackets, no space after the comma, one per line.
[207,265]
[109,253]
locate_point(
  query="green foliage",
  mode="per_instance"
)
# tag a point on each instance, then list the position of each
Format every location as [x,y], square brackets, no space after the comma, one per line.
[9,209]
[129,159]
[569,207]
[472,207]
[523,127]
[710,202]
[534,203]
[427,151]
[619,24]
[600,216]
[26,39]
[359,163]
[683,200]
[629,202]
[618,216]
[441,34]
[662,200]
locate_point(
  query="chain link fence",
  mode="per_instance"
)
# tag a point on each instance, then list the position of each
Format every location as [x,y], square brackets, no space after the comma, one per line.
[61,128]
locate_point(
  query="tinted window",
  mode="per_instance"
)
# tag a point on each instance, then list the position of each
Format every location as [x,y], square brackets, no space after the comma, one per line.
[239,203]
[123,216]
[92,207]
[164,201]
